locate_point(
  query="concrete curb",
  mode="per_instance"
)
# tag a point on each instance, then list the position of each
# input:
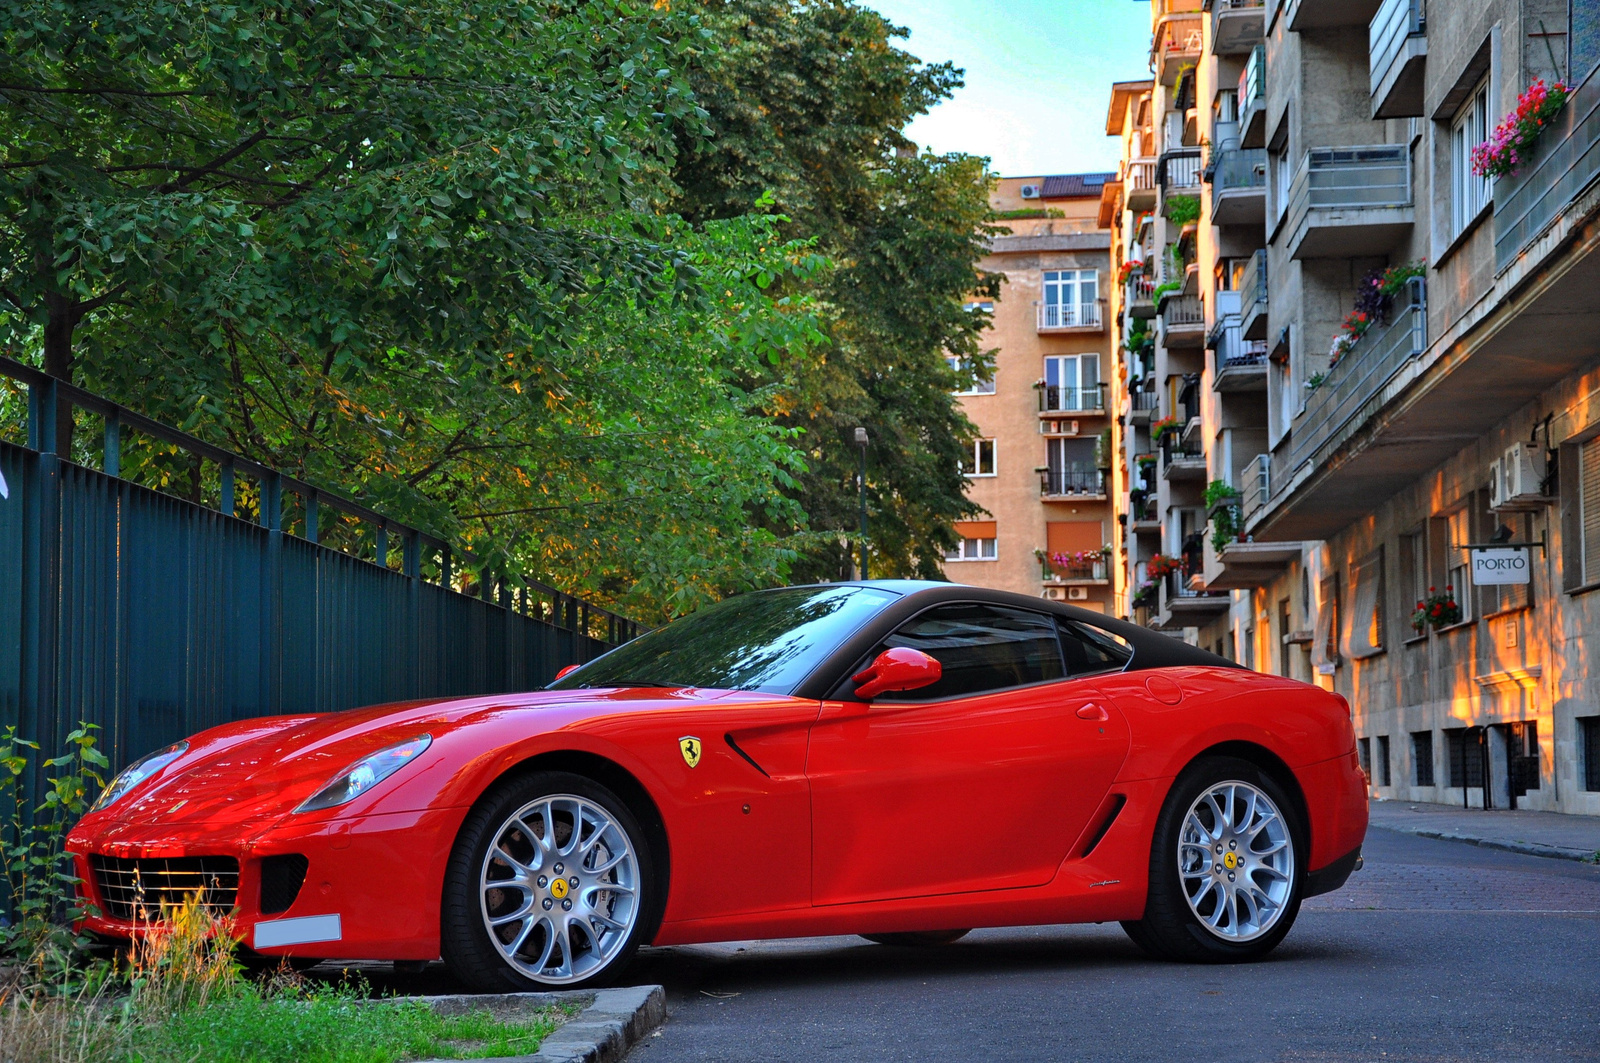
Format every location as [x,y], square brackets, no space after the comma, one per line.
[611,1023]
[1556,852]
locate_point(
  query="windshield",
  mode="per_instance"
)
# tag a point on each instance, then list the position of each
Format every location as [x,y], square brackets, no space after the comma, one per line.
[767,641]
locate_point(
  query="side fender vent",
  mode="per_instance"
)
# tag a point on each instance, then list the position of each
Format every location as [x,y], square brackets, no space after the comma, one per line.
[1113,808]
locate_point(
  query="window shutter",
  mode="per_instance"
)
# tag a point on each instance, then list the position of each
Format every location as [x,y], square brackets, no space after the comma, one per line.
[1589,507]
[1325,641]
[1366,612]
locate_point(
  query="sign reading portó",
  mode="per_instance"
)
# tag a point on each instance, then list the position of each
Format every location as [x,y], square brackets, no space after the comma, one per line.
[1497,565]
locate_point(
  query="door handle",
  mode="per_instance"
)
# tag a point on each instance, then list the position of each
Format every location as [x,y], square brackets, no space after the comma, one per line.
[1093,712]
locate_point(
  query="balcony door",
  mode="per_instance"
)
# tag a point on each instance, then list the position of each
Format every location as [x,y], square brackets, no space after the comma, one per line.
[1072,382]
[1071,298]
[1071,468]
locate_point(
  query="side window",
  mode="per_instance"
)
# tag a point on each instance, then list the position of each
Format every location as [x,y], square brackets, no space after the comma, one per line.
[1088,649]
[981,647]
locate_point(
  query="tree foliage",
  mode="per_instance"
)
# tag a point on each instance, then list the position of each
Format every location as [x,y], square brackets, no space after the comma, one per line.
[809,98]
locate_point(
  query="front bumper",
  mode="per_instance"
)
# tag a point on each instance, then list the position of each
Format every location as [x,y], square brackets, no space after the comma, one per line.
[371,890]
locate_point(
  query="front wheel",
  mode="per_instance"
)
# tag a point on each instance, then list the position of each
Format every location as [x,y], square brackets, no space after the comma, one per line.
[547,885]
[1226,866]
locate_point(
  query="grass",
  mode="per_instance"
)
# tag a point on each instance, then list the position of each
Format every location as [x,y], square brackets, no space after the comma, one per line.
[181,998]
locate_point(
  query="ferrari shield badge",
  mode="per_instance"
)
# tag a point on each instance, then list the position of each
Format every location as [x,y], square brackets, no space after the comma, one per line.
[690,747]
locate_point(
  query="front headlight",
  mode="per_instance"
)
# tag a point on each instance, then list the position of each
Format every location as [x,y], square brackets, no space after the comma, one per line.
[138,772]
[365,773]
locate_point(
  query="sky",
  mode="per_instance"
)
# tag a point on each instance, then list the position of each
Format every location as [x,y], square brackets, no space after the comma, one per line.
[1038,77]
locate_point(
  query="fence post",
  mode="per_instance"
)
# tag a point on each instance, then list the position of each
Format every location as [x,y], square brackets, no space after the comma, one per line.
[111,462]
[311,516]
[41,567]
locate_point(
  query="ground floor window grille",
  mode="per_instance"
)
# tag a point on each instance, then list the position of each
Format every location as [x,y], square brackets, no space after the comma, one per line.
[1384,778]
[1522,756]
[1364,747]
[1422,757]
[1466,756]
[1589,735]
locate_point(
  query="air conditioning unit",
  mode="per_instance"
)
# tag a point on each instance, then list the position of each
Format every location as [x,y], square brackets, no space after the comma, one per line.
[1055,594]
[1078,594]
[1514,479]
[1030,191]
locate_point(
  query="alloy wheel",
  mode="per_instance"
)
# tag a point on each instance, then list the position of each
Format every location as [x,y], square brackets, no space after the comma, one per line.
[559,889]
[1236,861]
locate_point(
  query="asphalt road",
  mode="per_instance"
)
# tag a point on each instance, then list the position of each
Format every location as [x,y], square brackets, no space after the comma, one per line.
[1437,951]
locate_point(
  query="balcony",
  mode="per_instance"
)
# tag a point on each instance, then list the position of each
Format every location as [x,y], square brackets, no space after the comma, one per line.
[1253,298]
[1236,25]
[1327,14]
[1565,161]
[1253,99]
[1181,463]
[1239,187]
[1177,45]
[1141,407]
[1398,48]
[1257,485]
[1179,605]
[1241,364]
[1074,572]
[1070,317]
[1240,566]
[1178,172]
[1350,202]
[1183,321]
[1139,186]
[1072,483]
[1054,399]
[1141,295]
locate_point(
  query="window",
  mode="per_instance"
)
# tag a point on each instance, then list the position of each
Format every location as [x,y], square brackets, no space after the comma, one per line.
[1247,648]
[980,462]
[1522,755]
[1466,755]
[983,305]
[1469,193]
[1072,382]
[1589,735]
[1278,163]
[981,648]
[1225,108]
[1285,626]
[1364,749]
[1457,572]
[973,549]
[1088,649]
[1325,635]
[1589,510]
[1422,758]
[1413,576]
[1070,468]
[1384,778]
[1366,611]
[1071,297]
[959,366]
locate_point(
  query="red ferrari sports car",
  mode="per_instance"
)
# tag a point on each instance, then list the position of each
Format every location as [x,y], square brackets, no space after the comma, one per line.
[899,760]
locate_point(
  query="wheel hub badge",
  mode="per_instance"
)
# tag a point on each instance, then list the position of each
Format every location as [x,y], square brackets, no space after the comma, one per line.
[559,888]
[1231,861]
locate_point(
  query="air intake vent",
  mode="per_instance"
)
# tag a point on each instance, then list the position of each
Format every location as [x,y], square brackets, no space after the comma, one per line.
[139,889]
[281,879]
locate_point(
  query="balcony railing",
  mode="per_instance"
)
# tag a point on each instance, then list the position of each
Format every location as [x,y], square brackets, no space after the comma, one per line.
[1253,97]
[1564,161]
[1069,316]
[1396,48]
[1141,293]
[1366,177]
[1354,388]
[1143,400]
[1183,311]
[1239,176]
[1057,399]
[1070,480]
[1177,45]
[1074,570]
[1179,170]
[1141,177]
[1257,484]
[1253,296]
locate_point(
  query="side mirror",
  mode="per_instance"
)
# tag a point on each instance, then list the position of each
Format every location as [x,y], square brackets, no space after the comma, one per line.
[568,670]
[900,668]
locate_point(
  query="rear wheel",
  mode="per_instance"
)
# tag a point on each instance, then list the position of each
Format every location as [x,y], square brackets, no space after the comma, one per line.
[546,886]
[918,938]
[1226,866]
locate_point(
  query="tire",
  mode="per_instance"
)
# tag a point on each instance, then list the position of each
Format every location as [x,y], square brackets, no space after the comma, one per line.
[1223,914]
[549,930]
[918,939]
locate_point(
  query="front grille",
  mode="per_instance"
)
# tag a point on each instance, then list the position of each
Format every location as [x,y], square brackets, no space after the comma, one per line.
[281,879]
[139,889]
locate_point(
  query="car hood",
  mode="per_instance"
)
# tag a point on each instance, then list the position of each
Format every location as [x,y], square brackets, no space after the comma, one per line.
[254,773]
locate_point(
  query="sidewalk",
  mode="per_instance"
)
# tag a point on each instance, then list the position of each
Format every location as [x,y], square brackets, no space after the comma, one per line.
[1537,833]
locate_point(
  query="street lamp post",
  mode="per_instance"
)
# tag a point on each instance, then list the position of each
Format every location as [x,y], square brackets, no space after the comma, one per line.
[861,483]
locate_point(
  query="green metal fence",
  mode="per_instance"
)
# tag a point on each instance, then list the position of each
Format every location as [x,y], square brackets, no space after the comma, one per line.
[154,616]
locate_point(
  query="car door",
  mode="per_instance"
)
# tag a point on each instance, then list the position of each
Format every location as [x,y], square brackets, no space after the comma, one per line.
[982,781]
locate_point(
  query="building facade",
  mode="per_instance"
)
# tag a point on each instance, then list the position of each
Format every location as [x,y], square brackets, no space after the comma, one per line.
[1397,399]
[1039,466]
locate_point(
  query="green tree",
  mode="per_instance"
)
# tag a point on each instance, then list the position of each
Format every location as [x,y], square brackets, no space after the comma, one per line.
[809,99]
[416,253]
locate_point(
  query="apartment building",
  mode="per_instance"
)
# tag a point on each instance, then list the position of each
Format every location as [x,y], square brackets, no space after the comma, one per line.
[1039,466]
[1399,401]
